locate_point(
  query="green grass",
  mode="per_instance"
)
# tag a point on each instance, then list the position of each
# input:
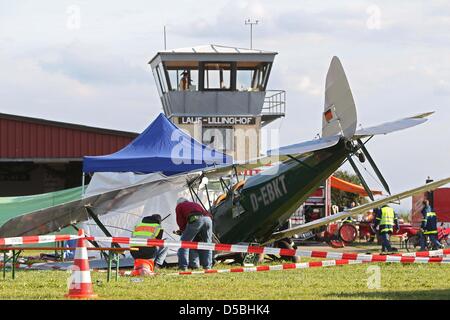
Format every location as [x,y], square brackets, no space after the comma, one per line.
[342,282]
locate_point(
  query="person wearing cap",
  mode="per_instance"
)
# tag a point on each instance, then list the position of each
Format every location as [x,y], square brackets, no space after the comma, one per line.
[144,257]
[193,220]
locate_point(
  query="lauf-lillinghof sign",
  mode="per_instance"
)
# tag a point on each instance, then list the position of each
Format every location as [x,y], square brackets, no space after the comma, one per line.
[217,120]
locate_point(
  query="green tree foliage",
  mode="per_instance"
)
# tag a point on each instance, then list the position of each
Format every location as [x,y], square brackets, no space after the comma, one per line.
[342,198]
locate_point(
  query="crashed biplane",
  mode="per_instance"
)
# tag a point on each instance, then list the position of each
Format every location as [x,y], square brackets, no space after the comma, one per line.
[254,209]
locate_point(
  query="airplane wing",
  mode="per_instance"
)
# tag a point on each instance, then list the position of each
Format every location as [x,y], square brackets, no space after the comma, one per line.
[357,210]
[307,146]
[220,171]
[55,218]
[392,126]
[275,155]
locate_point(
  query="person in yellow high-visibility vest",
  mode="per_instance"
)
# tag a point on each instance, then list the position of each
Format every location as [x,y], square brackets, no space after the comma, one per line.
[144,257]
[386,219]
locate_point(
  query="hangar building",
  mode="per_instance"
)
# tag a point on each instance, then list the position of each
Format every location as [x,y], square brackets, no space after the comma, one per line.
[39,156]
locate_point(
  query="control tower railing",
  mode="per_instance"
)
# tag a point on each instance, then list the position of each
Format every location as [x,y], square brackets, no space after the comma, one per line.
[274,103]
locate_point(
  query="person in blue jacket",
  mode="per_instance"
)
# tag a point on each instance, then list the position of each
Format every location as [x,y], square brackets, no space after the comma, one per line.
[428,227]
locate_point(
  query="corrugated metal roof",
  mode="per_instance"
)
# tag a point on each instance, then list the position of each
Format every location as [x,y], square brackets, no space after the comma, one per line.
[214,48]
[31,138]
[210,52]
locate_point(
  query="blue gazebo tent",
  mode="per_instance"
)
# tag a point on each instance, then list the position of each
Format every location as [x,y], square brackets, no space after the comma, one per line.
[161,147]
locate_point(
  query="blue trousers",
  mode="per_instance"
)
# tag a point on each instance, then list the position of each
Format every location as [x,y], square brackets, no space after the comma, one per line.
[385,242]
[202,226]
[161,255]
[433,238]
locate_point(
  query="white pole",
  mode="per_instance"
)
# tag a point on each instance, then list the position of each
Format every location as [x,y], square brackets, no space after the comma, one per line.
[82,184]
[165,39]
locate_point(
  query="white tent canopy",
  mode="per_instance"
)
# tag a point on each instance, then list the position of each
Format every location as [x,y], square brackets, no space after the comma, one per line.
[155,198]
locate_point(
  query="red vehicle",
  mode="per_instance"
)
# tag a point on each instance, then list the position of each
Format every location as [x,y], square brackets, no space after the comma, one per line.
[413,242]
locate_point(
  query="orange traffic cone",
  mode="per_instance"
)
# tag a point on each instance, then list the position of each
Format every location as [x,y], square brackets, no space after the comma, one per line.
[80,286]
[143,267]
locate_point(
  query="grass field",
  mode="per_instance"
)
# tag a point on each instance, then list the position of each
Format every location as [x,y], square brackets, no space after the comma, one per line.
[342,282]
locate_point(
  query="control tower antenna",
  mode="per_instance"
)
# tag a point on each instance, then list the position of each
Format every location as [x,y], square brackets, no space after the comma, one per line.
[165,38]
[251,23]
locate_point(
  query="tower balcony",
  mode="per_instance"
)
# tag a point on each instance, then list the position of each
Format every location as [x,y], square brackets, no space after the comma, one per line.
[274,106]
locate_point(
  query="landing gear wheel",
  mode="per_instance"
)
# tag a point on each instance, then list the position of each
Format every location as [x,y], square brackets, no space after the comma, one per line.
[347,233]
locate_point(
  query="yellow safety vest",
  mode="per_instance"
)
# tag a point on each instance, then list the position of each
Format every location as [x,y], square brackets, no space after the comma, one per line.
[387,219]
[146,230]
[387,216]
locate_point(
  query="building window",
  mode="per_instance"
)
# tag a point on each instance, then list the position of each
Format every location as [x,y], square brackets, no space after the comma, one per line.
[244,80]
[220,139]
[252,76]
[183,79]
[161,79]
[217,76]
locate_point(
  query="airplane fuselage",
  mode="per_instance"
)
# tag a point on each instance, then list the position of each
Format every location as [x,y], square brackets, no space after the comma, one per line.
[268,199]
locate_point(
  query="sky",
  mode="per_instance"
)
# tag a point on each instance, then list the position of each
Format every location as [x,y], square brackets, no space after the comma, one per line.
[86,62]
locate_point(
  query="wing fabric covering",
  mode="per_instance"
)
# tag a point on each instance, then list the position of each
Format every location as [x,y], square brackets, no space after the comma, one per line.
[339,117]
[304,147]
[393,126]
[53,219]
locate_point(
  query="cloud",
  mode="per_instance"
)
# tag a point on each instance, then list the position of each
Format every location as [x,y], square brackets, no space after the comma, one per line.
[92,66]
[305,85]
[227,23]
[98,75]
[443,87]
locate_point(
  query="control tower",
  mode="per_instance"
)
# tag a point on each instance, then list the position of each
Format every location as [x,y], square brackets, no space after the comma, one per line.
[219,95]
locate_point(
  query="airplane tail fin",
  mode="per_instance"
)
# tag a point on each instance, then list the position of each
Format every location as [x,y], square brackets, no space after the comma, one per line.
[339,116]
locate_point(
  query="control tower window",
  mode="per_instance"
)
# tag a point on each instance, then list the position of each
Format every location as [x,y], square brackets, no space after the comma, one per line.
[161,81]
[183,79]
[252,76]
[217,76]
[244,80]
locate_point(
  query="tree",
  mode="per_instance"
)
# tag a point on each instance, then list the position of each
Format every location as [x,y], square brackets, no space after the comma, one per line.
[342,198]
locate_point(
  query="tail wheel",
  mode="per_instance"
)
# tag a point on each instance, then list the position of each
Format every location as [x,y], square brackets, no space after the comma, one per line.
[283,244]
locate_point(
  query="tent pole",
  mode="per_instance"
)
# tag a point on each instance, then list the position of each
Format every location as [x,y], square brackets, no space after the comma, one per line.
[82,183]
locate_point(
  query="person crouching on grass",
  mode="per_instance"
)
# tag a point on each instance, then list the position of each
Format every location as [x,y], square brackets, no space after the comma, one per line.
[144,257]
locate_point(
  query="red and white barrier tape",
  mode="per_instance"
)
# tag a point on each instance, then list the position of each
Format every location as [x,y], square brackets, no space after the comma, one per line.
[433,253]
[418,257]
[275,251]
[285,266]
[279,267]
[36,239]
